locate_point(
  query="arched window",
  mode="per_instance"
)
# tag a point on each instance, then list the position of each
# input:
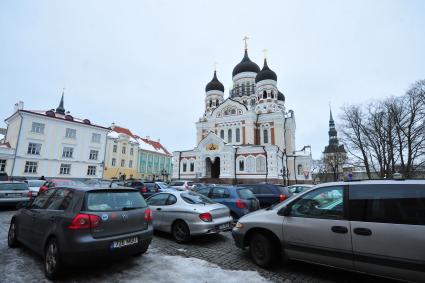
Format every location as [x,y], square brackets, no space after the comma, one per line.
[272,94]
[184,166]
[241,165]
[233,111]
[222,134]
[243,89]
[238,135]
[229,135]
[300,169]
[261,164]
[210,103]
[264,94]
[265,136]
[192,166]
[250,164]
[217,102]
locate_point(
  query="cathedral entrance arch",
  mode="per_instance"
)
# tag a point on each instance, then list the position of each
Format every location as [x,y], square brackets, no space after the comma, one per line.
[213,167]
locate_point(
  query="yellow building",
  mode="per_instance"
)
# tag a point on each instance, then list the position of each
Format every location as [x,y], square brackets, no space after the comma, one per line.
[121,158]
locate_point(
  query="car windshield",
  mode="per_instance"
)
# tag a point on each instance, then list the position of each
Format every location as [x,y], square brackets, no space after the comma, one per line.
[13,187]
[245,194]
[35,183]
[114,201]
[68,183]
[177,184]
[195,198]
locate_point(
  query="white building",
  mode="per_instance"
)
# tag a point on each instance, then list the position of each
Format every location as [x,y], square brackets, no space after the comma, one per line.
[54,144]
[247,137]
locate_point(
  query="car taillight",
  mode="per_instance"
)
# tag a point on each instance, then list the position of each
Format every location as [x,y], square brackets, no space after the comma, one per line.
[240,204]
[29,194]
[148,215]
[206,217]
[143,190]
[42,189]
[282,198]
[84,221]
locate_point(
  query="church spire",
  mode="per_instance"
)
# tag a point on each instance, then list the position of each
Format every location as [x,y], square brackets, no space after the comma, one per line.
[333,135]
[61,109]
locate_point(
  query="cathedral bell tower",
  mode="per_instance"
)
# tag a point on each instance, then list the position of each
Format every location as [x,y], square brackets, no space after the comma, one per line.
[266,93]
[214,91]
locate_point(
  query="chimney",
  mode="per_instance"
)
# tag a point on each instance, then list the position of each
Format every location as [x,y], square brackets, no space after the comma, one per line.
[19,106]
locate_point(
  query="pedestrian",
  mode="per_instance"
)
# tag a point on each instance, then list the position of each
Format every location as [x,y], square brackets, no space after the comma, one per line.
[42,178]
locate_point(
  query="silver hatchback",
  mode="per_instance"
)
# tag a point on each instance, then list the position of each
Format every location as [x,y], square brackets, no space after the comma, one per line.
[185,214]
[11,193]
[374,227]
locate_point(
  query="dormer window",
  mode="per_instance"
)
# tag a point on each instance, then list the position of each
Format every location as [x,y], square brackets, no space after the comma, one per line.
[264,94]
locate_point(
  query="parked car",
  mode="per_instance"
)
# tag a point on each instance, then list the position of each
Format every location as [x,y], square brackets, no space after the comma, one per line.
[197,186]
[75,225]
[181,185]
[115,184]
[34,186]
[375,227]
[299,188]
[268,194]
[163,187]
[59,182]
[185,214]
[11,192]
[145,188]
[239,200]
[4,176]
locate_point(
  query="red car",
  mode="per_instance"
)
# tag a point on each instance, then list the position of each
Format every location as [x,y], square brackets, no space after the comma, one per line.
[59,182]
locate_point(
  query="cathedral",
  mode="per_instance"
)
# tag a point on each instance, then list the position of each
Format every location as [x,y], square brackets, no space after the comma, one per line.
[248,137]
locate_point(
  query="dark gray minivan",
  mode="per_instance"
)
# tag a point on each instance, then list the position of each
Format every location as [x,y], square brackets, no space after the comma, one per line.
[374,227]
[70,225]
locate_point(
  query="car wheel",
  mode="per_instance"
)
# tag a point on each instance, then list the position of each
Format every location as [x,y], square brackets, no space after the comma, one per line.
[12,240]
[52,259]
[261,249]
[181,232]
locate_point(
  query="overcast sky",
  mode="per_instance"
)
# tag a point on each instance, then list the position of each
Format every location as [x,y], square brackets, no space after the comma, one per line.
[144,64]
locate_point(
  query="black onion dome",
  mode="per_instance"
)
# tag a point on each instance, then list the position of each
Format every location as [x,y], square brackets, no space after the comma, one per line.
[214,84]
[246,65]
[265,73]
[280,96]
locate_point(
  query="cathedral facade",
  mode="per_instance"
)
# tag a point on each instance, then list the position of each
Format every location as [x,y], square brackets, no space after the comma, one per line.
[248,137]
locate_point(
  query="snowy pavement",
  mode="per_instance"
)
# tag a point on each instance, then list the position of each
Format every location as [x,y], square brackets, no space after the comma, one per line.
[204,260]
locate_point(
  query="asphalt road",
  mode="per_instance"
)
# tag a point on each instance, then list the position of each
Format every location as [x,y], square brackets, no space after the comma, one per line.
[22,265]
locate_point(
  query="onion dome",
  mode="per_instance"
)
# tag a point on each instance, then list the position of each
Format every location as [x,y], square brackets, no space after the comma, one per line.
[265,73]
[246,65]
[214,84]
[280,96]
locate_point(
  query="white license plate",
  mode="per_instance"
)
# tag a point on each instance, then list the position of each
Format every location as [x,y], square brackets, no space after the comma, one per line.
[13,195]
[224,226]
[123,243]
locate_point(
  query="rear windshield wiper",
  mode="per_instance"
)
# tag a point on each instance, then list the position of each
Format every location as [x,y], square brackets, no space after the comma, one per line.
[130,208]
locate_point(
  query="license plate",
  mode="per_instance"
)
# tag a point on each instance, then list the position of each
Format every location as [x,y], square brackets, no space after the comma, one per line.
[13,195]
[124,243]
[224,226]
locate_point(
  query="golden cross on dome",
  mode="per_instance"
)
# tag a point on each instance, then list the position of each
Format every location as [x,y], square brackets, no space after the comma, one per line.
[246,42]
[215,66]
[265,53]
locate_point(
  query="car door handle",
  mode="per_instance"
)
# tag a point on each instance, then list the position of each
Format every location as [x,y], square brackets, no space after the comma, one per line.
[159,208]
[339,229]
[363,231]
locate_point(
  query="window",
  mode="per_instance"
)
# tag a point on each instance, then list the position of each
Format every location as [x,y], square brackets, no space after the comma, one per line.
[241,165]
[65,169]
[217,102]
[95,138]
[229,135]
[60,200]
[192,166]
[131,151]
[204,191]
[123,150]
[2,165]
[122,162]
[34,148]
[325,203]
[261,164]
[159,199]
[37,128]
[41,199]
[130,164]
[31,167]
[114,149]
[265,136]
[171,200]
[71,133]
[113,162]
[250,164]
[67,152]
[222,134]
[264,94]
[300,169]
[238,135]
[184,166]
[218,192]
[400,204]
[91,170]
[93,154]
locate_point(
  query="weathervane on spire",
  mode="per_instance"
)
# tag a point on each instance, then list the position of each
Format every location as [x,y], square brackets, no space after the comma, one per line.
[246,42]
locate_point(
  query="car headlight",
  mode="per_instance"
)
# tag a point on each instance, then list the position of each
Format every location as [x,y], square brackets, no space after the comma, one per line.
[239,225]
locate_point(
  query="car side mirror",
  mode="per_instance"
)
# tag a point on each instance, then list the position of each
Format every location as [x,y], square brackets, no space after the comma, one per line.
[285,211]
[23,204]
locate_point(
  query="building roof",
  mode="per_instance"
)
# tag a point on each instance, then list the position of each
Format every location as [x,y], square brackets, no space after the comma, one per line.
[214,84]
[266,73]
[246,65]
[152,146]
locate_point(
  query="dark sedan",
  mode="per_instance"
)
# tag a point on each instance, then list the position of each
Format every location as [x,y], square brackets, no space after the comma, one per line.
[70,225]
[269,194]
[147,189]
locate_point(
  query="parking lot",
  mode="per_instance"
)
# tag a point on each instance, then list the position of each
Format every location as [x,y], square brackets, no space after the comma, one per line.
[167,261]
